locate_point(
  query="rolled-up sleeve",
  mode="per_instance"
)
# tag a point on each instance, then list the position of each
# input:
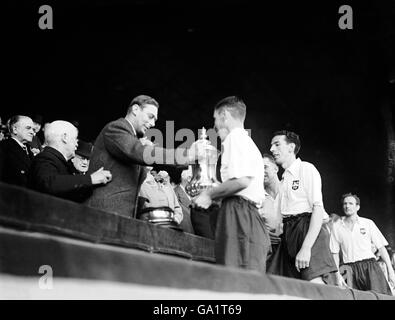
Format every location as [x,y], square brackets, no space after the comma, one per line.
[313,185]
[377,237]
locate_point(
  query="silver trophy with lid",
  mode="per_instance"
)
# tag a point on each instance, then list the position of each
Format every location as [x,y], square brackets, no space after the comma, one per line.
[203,164]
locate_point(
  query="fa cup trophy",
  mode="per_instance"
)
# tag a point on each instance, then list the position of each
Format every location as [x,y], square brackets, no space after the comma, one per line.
[203,163]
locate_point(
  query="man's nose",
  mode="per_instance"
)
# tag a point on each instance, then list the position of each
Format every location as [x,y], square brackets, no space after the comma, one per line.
[271,148]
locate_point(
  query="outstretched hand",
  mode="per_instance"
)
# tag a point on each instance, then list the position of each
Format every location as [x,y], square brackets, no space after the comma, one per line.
[101,176]
[146,142]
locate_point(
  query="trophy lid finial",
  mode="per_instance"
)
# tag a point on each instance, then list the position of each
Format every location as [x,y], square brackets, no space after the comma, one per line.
[203,134]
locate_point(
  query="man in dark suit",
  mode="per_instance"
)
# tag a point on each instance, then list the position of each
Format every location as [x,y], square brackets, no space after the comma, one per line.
[52,171]
[119,148]
[184,200]
[15,154]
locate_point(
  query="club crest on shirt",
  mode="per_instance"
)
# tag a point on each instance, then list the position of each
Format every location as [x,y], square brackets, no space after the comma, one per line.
[295,185]
[362,230]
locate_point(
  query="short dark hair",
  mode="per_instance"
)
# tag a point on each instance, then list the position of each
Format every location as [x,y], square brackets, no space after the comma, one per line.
[234,105]
[270,157]
[357,200]
[290,137]
[141,100]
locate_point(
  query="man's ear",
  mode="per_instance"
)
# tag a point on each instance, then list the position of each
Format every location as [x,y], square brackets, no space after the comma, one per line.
[64,137]
[134,108]
[293,146]
[226,114]
[13,129]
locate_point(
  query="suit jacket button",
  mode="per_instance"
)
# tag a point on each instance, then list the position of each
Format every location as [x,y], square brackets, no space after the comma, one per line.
[22,171]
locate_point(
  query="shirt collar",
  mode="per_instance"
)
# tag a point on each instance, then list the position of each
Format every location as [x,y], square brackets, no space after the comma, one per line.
[344,218]
[150,179]
[267,195]
[294,168]
[134,130]
[23,146]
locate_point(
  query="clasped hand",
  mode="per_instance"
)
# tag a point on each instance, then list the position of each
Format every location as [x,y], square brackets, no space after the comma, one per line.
[203,200]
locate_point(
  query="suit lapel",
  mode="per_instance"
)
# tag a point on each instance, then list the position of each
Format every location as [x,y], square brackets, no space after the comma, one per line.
[19,153]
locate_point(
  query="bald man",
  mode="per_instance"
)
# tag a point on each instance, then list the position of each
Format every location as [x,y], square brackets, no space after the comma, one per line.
[52,171]
[15,154]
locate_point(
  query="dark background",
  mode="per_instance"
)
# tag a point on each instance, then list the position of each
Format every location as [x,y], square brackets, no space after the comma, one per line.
[290,62]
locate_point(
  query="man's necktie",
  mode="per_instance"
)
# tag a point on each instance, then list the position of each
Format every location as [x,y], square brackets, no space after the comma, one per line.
[218,168]
[25,149]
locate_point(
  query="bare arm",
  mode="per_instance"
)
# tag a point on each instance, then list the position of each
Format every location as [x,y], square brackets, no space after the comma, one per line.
[314,227]
[391,274]
[337,259]
[314,194]
[225,189]
[229,187]
[340,281]
[123,145]
[302,259]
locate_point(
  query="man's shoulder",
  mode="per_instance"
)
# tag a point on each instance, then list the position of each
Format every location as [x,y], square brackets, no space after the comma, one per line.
[47,152]
[242,141]
[121,122]
[9,143]
[308,166]
[48,155]
[118,126]
[338,222]
[365,221]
